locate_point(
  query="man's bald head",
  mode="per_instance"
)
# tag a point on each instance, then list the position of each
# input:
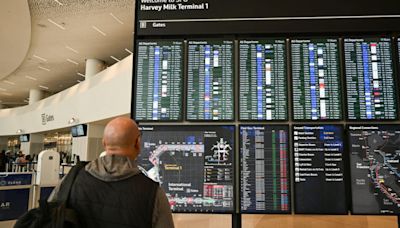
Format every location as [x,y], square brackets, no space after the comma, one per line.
[121,137]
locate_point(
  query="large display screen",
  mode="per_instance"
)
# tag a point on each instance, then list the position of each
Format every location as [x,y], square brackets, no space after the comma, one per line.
[316,79]
[193,164]
[264,165]
[211,79]
[159,81]
[371,90]
[183,17]
[375,168]
[263,90]
[319,169]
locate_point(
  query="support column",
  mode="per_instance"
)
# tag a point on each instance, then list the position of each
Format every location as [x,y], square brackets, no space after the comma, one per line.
[1,106]
[94,66]
[35,95]
[34,146]
[89,147]
[3,143]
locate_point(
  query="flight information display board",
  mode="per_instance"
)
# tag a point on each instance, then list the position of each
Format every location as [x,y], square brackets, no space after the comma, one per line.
[193,164]
[375,168]
[211,79]
[263,90]
[319,169]
[371,90]
[264,165]
[316,79]
[159,81]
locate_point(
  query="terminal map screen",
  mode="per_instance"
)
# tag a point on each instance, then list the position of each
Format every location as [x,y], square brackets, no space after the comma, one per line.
[371,90]
[264,165]
[316,79]
[159,81]
[211,79]
[263,90]
[193,164]
[319,169]
[374,166]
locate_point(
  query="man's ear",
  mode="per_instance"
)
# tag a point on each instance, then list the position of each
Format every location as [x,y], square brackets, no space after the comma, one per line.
[137,144]
[104,143]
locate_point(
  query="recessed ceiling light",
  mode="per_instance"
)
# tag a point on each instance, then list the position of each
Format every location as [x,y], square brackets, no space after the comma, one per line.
[59,2]
[54,23]
[8,82]
[72,61]
[98,30]
[31,78]
[80,74]
[43,87]
[44,68]
[115,58]
[127,50]
[38,57]
[71,49]
[116,18]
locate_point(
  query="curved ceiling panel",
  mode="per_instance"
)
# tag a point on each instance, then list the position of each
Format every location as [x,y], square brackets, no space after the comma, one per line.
[15,30]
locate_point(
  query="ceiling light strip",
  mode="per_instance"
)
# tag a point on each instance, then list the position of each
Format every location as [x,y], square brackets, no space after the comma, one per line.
[44,68]
[116,18]
[115,58]
[54,23]
[43,87]
[38,57]
[98,30]
[80,74]
[59,2]
[8,82]
[7,94]
[71,49]
[127,50]
[31,78]
[72,61]
[2,89]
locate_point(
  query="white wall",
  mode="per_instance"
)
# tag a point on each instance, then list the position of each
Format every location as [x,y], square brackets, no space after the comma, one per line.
[105,95]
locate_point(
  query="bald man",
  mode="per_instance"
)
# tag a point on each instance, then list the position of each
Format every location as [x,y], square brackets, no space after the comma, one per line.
[112,192]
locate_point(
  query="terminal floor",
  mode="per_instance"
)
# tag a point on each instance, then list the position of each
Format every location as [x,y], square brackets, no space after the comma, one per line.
[276,221]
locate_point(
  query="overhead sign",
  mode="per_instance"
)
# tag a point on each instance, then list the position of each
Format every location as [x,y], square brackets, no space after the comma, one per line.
[175,17]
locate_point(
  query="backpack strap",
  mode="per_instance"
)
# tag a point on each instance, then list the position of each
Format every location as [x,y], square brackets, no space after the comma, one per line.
[66,185]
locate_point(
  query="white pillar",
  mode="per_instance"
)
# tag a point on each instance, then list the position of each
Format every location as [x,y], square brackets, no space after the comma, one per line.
[35,95]
[93,66]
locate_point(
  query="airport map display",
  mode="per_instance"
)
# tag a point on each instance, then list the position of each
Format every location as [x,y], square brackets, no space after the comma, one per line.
[210,86]
[264,169]
[263,80]
[371,90]
[316,79]
[319,175]
[193,164]
[374,165]
[159,81]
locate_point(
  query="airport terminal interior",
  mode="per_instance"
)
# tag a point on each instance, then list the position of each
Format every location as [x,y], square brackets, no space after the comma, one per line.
[252,113]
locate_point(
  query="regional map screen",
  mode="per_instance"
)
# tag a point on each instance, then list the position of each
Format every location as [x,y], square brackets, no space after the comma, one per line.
[210,86]
[316,79]
[374,165]
[264,169]
[371,90]
[193,164]
[263,80]
[319,169]
[159,81]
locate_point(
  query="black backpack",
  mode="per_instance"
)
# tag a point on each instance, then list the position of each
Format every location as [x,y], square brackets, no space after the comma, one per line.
[54,214]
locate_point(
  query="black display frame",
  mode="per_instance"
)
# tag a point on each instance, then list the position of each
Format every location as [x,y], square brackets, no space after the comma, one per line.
[340,77]
[350,176]
[396,80]
[345,174]
[286,63]
[234,158]
[289,170]
[234,76]
[135,75]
